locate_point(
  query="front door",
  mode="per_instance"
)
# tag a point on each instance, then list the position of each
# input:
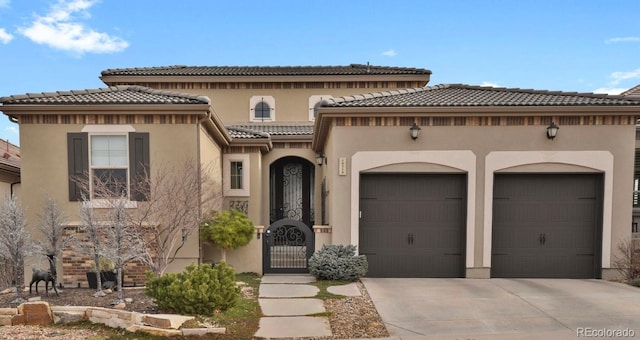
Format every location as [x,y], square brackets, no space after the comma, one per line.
[289,241]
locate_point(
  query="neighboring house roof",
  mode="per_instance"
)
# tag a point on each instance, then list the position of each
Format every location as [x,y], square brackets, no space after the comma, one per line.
[182,70]
[121,94]
[634,91]
[456,95]
[288,129]
[10,157]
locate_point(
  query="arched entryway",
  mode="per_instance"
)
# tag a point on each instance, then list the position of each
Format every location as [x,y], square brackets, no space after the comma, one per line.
[289,241]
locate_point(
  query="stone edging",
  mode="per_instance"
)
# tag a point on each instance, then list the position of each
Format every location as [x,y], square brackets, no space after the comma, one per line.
[40,313]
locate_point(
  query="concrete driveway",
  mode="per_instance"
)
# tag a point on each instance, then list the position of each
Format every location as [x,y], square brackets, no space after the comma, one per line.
[504,308]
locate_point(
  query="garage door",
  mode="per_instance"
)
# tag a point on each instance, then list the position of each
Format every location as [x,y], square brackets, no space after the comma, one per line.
[413,225]
[547,226]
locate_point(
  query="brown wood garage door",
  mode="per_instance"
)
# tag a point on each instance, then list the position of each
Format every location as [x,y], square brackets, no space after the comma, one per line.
[547,226]
[413,225]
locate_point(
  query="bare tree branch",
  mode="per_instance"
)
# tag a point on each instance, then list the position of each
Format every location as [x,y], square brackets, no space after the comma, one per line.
[52,226]
[15,243]
[172,209]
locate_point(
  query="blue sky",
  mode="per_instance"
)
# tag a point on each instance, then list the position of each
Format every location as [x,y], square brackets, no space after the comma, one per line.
[580,45]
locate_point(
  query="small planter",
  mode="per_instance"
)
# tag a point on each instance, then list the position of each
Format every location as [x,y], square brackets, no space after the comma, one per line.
[104,277]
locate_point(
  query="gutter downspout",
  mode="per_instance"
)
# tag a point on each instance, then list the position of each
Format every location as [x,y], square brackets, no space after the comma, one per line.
[12,184]
[199,167]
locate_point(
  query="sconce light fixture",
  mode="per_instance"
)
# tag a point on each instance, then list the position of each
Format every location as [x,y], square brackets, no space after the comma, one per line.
[184,234]
[415,131]
[552,130]
[321,159]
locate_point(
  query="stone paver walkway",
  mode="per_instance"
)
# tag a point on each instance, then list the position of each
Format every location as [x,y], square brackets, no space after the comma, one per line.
[288,305]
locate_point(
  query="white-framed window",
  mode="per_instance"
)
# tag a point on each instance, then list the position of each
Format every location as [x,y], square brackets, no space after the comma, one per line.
[235,172]
[314,102]
[262,109]
[107,161]
[109,164]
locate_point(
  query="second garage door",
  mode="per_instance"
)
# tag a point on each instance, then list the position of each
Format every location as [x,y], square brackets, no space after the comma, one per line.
[413,225]
[547,226]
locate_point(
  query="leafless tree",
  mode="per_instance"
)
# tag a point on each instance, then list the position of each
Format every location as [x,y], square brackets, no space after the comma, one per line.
[627,260]
[93,244]
[122,241]
[172,209]
[52,226]
[15,243]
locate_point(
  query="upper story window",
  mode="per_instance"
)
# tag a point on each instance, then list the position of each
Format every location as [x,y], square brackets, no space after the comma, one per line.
[107,161]
[262,109]
[315,102]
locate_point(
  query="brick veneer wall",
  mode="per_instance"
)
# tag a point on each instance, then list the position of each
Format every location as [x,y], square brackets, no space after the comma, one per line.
[76,265]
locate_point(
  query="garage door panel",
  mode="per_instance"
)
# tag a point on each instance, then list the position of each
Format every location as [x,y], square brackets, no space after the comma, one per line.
[546,225]
[413,225]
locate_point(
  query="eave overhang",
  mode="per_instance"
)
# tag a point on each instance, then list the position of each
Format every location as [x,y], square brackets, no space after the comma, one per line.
[325,115]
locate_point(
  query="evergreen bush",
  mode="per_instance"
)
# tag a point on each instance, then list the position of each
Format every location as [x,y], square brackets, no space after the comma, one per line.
[199,290]
[338,262]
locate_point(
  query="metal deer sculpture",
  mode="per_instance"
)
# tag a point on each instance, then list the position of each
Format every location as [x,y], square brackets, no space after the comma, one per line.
[46,276]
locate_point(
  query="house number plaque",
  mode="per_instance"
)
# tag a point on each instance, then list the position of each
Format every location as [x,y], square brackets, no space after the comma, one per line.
[342,166]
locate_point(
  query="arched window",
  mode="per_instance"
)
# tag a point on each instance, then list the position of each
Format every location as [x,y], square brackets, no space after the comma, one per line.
[262,110]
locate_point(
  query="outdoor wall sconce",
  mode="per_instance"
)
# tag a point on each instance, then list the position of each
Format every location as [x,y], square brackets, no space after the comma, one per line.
[321,159]
[415,131]
[552,130]
[184,234]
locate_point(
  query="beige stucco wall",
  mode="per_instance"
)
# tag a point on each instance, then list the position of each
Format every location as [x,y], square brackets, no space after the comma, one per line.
[481,141]
[292,105]
[45,170]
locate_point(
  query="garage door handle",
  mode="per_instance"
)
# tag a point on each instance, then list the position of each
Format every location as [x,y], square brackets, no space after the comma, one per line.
[410,239]
[543,239]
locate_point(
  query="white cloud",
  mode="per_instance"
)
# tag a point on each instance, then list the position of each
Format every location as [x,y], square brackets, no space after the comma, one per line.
[5,37]
[621,76]
[5,3]
[488,83]
[609,90]
[61,29]
[12,129]
[389,53]
[622,40]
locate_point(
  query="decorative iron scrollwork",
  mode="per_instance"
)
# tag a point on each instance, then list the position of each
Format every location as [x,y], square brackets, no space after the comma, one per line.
[239,205]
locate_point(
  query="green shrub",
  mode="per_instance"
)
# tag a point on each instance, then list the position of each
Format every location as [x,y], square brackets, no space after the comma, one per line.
[337,262]
[199,290]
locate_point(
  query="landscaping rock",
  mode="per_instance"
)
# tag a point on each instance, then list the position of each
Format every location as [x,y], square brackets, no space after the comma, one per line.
[36,313]
[166,321]
[154,331]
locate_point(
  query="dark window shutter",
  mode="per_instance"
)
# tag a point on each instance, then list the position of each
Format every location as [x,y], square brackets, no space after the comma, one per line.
[139,165]
[78,158]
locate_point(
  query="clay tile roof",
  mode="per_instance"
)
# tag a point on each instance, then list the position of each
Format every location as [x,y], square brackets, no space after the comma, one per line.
[467,95]
[634,91]
[278,129]
[182,70]
[121,94]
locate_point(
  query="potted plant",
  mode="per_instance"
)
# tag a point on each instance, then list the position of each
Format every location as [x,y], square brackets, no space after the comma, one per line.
[107,273]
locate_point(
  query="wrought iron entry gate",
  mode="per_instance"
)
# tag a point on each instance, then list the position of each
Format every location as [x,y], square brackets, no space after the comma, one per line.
[287,246]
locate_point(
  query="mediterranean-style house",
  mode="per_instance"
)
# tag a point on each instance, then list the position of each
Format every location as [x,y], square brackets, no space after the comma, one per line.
[428,181]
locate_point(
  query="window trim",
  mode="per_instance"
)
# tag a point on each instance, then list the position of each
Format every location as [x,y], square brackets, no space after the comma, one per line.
[255,100]
[127,168]
[313,101]
[79,153]
[226,173]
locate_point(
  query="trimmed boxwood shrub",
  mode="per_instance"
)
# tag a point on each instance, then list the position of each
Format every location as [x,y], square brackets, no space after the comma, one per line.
[338,262]
[199,290]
